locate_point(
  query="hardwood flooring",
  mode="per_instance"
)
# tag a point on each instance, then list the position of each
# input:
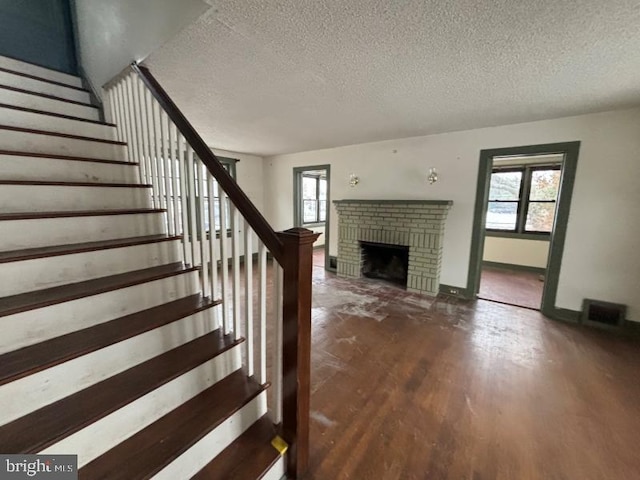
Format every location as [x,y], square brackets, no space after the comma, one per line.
[407,387]
[511,286]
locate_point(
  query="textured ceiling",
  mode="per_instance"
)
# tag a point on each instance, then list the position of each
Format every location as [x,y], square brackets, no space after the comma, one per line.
[278,76]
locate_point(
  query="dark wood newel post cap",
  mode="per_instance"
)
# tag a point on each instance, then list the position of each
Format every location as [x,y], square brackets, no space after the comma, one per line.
[298,235]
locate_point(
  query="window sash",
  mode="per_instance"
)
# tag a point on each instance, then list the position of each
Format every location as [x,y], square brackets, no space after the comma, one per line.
[524,202]
[313,208]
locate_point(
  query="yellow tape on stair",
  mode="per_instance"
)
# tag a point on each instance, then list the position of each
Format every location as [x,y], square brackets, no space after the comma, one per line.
[279,444]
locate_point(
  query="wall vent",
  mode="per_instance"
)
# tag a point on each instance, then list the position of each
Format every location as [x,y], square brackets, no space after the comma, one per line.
[603,314]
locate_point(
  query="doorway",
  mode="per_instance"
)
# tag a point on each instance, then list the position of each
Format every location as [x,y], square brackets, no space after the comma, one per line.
[521,213]
[311,200]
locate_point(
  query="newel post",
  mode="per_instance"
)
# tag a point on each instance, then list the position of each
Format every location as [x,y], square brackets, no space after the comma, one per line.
[296,345]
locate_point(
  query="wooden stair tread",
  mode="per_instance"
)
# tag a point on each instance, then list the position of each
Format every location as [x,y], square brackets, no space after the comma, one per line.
[64,293]
[50,424]
[148,451]
[43,355]
[42,79]
[59,134]
[55,156]
[46,183]
[249,457]
[77,213]
[47,95]
[53,114]
[56,250]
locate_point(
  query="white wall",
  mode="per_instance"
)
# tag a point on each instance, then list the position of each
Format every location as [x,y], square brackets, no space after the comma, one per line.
[516,251]
[113,33]
[600,259]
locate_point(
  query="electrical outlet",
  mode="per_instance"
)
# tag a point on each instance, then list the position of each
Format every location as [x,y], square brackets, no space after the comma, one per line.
[453,291]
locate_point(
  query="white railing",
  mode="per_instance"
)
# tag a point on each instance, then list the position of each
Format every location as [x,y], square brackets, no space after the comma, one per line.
[215,236]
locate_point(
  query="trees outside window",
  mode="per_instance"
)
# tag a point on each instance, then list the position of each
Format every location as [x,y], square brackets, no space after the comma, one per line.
[523,199]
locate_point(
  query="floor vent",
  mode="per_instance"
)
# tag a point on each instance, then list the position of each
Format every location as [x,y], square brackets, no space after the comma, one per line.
[603,314]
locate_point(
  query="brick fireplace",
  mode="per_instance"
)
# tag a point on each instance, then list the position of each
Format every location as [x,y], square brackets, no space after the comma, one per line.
[417,224]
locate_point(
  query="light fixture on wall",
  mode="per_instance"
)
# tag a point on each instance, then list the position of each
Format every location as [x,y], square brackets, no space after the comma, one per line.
[433,175]
[353,179]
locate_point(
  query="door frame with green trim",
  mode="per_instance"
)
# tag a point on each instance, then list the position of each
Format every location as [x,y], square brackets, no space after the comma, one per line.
[297,200]
[570,151]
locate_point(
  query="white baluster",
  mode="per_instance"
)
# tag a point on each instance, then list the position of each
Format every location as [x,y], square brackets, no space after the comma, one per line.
[224,260]
[203,230]
[139,90]
[124,107]
[157,139]
[212,243]
[191,194]
[235,268]
[132,150]
[141,137]
[175,200]
[261,339]
[277,348]
[153,152]
[248,297]
[187,239]
[166,168]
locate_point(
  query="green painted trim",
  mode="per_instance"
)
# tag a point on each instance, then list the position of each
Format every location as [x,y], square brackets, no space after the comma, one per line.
[570,151]
[407,202]
[518,236]
[563,314]
[479,221]
[297,214]
[631,328]
[510,266]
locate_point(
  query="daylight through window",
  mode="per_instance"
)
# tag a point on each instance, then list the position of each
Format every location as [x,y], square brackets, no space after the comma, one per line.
[523,199]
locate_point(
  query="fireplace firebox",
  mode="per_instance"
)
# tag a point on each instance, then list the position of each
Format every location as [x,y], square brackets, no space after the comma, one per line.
[386,262]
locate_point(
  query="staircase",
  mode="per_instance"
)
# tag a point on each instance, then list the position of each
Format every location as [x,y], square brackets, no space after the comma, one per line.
[127,339]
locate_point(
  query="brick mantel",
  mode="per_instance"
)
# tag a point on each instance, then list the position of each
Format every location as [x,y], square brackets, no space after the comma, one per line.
[418,224]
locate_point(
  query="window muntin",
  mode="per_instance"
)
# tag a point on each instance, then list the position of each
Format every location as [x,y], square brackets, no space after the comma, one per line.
[523,200]
[314,199]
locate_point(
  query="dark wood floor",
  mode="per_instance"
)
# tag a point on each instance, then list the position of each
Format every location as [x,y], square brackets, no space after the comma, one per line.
[515,287]
[406,387]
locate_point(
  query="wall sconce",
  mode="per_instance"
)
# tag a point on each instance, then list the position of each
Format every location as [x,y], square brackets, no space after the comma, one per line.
[353,180]
[433,176]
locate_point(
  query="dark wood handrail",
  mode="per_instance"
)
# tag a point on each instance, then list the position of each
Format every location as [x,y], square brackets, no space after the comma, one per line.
[226,182]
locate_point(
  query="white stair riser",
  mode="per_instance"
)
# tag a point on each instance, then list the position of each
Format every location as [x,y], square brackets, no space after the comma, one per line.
[16,167]
[44,232]
[34,326]
[277,470]
[51,144]
[54,383]
[39,121]
[51,105]
[104,434]
[54,75]
[46,198]
[40,86]
[47,272]
[210,446]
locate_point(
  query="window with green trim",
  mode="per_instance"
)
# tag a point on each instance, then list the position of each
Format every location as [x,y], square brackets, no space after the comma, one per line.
[523,199]
[314,198]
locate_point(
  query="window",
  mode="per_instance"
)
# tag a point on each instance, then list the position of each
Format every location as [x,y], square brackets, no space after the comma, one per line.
[314,198]
[523,199]
[229,165]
